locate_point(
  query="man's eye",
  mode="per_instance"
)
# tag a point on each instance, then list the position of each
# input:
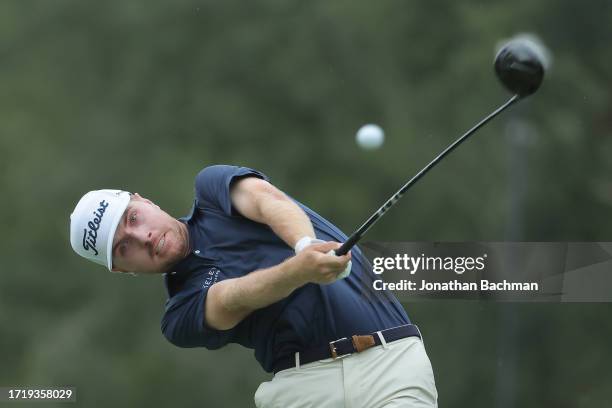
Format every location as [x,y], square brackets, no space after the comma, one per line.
[133,218]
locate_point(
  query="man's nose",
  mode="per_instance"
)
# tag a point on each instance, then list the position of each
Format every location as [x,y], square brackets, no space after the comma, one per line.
[142,236]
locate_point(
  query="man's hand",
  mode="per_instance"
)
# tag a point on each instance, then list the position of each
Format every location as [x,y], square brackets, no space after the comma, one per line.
[316,263]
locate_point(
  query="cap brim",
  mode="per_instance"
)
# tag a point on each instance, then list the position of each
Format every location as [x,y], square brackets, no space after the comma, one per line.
[125,197]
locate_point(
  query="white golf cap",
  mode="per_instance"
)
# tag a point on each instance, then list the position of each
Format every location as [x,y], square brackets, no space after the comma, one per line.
[93,224]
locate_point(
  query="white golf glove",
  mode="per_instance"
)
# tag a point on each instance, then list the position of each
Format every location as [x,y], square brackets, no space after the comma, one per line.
[306,241]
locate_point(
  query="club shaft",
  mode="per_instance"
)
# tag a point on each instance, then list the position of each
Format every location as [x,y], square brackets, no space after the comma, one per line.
[360,232]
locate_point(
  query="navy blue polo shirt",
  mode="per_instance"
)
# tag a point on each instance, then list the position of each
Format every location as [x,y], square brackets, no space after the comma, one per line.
[224,245]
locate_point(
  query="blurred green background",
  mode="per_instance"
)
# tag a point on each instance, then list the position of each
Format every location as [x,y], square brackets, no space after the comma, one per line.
[141,95]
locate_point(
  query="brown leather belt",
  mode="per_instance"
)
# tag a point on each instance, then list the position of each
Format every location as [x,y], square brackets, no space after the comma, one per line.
[344,346]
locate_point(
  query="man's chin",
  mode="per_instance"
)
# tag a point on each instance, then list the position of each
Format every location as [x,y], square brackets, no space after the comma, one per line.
[165,267]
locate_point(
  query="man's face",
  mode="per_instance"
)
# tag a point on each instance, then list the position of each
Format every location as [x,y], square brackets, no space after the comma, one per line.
[148,240]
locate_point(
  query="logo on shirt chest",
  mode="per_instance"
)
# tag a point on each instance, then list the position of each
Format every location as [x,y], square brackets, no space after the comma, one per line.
[211,277]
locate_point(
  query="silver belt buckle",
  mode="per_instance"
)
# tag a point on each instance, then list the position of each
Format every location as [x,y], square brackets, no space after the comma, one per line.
[332,347]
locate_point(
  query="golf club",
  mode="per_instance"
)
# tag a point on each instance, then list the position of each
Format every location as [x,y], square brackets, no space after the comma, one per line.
[519,65]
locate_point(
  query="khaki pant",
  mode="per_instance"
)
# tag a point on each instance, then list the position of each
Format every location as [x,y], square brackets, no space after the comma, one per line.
[396,375]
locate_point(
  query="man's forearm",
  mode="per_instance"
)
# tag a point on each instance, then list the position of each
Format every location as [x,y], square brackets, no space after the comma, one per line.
[286,219]
[231,300]
[260,201]
[264,287]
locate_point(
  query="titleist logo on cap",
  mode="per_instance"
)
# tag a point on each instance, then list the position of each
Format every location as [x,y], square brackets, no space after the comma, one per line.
[90,235]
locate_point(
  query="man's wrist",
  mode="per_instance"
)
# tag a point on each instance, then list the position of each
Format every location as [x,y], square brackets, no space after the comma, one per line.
[303,243]
[294,270]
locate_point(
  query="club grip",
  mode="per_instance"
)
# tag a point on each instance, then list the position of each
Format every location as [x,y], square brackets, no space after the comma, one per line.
[344,248]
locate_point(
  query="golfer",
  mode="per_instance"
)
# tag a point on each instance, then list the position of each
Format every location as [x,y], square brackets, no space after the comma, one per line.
[252,266]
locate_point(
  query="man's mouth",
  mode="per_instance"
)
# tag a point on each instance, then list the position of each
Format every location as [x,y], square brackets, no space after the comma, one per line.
[160,244]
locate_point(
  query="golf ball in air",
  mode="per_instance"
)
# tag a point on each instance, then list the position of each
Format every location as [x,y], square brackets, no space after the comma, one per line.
[370,136]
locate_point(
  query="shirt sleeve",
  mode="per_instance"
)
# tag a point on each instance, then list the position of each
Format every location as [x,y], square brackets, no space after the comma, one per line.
[184,324]
[212,186]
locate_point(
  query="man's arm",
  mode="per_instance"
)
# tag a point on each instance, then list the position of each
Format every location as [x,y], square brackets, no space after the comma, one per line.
[228,302]
[260,201]
[231,300]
